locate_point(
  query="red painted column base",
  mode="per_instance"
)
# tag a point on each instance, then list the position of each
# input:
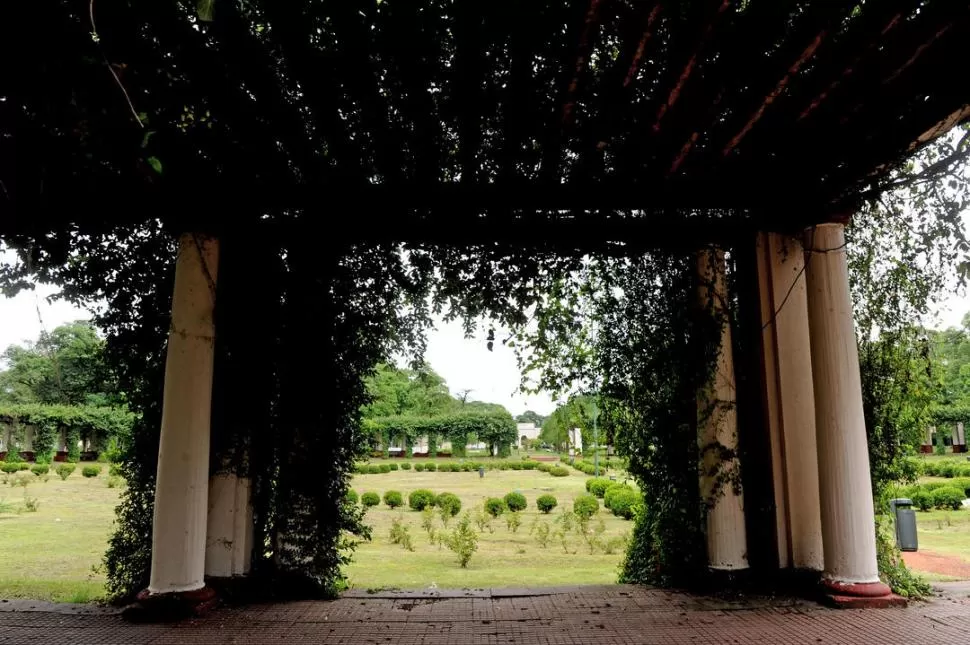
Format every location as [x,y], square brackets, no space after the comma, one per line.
[167,607]
[958,448]
[926,449]
[860,595]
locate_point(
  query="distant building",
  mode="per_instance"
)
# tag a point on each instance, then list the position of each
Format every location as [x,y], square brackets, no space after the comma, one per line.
[528,432]
[576,439]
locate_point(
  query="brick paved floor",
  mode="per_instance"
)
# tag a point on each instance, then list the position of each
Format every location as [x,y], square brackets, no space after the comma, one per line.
[614,615]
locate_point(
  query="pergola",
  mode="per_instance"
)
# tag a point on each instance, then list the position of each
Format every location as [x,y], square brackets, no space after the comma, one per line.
[579,124]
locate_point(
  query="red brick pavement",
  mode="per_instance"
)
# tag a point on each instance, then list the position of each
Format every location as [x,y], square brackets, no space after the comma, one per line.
[579,615]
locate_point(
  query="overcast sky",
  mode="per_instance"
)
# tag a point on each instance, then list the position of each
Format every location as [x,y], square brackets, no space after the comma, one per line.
[464,363]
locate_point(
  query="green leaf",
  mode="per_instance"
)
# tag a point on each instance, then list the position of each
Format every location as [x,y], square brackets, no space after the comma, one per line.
[205,9]
[155,163]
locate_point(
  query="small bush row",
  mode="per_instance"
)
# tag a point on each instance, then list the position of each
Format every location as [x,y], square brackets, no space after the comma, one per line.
[943,468]
[418,500]
[928,496]
[454,467]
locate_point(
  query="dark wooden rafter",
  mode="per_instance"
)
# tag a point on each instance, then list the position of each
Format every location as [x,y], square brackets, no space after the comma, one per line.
[689,66]
[315,71]
[468,71]
[688,105]
[358,75]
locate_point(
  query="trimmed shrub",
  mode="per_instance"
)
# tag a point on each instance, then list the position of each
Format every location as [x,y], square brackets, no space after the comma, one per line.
[384,468]
[516,501]
[623,502]
[922,499]
[586,506]
[448,503]
[948,497]
[64,470]
[351,497]
[406,465]
[559,471]
[9,467]
[543,466]
[374,469]
[419,499]
[393,466]
[597,486]
[963,483]
[431,466]
[612,490]
[546,503]
[370,498]
[495,506]
[419,467]
[40,469]
[91,471]
[393,498]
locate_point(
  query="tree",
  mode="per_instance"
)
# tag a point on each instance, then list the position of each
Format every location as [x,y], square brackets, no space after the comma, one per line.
[64,366]
[531,417]
[395,391]
[950,350]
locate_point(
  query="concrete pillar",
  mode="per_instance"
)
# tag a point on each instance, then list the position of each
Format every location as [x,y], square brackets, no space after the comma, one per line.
[718,431]
[229,534]
[848,519]
[790,400]
[182,486]
[959,438]
[927,445]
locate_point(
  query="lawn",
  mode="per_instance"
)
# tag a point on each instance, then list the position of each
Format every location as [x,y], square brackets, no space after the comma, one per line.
[54,553]
[503,558]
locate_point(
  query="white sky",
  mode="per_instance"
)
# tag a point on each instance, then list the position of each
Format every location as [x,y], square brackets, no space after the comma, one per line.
[464,363]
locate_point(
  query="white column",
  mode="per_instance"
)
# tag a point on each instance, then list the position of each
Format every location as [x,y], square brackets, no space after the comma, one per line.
[961,436]
[181,490]
[229,535]
[790,400]
[846,493]
[727,547]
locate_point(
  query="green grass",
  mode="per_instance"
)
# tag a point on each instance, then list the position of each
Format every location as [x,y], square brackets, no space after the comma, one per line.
[944,532]
[53,554]
[503,558]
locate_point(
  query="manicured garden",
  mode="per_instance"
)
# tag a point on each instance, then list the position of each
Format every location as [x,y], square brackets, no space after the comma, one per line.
[531,527]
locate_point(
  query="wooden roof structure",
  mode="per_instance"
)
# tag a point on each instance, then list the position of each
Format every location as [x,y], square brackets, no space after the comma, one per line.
[457,121]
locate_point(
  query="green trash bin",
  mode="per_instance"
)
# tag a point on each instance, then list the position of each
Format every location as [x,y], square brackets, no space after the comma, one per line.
[905,518]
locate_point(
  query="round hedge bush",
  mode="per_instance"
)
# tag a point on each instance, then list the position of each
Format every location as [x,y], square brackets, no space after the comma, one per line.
[597,486]
[448,503]
[494,506]
[420,499]
[543,466]
[384,468]
[91,471]
[431,466]
[374,469]
[406,465]
[613,489]
[393,498]
[922,499]
[586,506]
[546,503]
[64,470]
[516,501]
[559,471]
[40,469]
[623,502]
[352,497]
[419,467]
[948,497]
[393,466]
[370,498]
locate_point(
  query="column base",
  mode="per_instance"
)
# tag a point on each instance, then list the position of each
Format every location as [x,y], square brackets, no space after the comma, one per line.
[959,448]
[171,607]
[926,450]
[860,595]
